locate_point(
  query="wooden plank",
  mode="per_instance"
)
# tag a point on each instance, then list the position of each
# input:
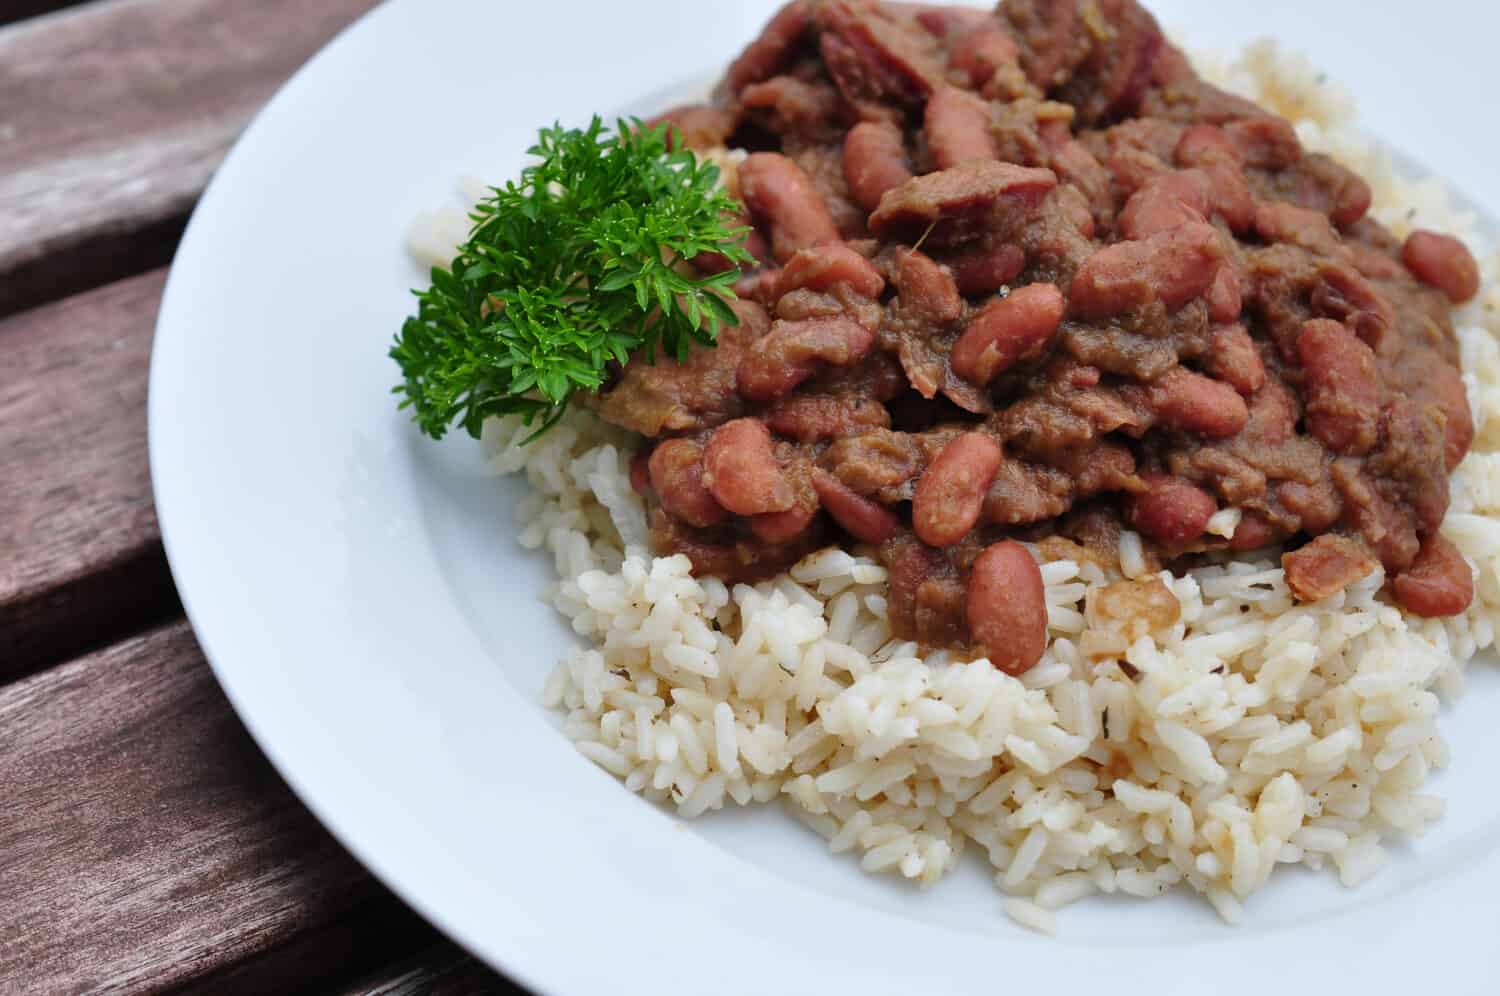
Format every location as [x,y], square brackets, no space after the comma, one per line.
[147,845]
[443,970]
[114,115]
[81,562]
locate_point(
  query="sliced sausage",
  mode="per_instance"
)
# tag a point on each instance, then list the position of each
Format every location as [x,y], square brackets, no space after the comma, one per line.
[950,494]
[823,267]
[1326,566]
[783,199]
[676,471]
[1171,510]
[1007,331]
[793,351]
[1006,606]
[874,162]
[963,199]
[1174,267]
[957,125]
[1443,262]
[740,469]
[1341,387]
[865,520]
[1439,584]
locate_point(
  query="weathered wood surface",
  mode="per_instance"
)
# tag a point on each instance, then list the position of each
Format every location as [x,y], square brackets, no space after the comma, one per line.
[80,555]
[113,116]
[148,845]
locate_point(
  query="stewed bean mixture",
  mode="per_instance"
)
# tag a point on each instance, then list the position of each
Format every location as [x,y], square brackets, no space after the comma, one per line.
[1022,275]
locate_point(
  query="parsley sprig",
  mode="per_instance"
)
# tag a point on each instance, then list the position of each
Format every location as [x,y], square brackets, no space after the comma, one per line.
[569,270]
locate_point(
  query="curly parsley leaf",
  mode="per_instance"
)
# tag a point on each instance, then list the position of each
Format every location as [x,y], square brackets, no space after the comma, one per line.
[575,267]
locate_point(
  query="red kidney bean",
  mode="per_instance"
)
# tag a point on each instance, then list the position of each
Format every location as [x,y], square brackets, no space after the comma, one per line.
[1317,506]
[782,197]
[1439,584]
[1352,201]
[1265,142]
[766,56]
[1254,532]
[1205,144]
[1168,201]
[860,517]
[1443,262]
[1388,530]
[957,125]
[1209,149]
[640,473]
[1345,296]
[1076,165]
[676,470]
[1171,510]
[1233,199]
[755,245]
[1174,267]
[1280,221]
[874,162]
[1191,402]
[983,270]
[1007,607]
[927,290]
[823,267]
[1234,359]
[1448,388]
[1326,566]
[740,469]
[1341,387]
[979,53]
[783,527]
[1073,206]
[1133,168]
[950,494]
[1007,331]
[1225,300]
[793,351]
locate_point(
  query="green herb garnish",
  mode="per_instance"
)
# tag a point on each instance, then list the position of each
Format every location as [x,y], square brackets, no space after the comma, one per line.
[571,269]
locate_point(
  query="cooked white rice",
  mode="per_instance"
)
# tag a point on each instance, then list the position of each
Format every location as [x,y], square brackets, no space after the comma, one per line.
[1255,732]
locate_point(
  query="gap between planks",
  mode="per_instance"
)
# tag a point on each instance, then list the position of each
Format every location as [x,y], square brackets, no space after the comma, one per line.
[148,846]
[81,562]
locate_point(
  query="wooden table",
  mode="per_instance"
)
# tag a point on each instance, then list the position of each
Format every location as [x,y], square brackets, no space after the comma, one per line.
[145,843]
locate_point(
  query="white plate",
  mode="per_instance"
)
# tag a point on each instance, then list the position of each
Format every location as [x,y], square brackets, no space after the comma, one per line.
[361,599]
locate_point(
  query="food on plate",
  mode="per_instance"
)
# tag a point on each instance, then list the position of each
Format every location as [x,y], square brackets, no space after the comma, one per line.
[1086,465]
